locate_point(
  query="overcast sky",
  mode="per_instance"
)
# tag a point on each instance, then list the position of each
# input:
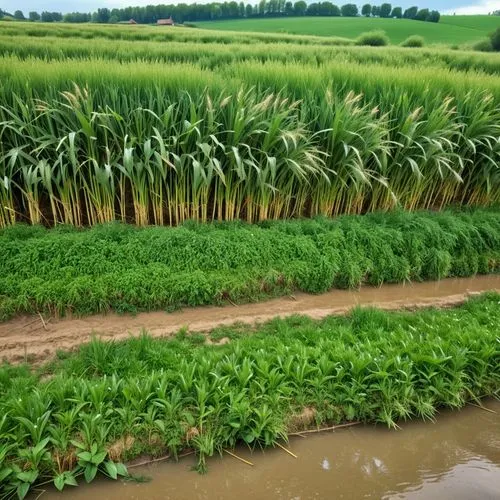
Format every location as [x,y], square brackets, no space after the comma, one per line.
[458,6]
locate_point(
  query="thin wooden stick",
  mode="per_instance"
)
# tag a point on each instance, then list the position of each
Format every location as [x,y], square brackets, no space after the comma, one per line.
[288,451]
[311,431]
[239,458]
[43,321]
[42,492]
[160,459]
[483,408]
[147,462]
[187,454]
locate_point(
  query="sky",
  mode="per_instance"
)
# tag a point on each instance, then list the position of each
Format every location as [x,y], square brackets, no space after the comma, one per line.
[444,6]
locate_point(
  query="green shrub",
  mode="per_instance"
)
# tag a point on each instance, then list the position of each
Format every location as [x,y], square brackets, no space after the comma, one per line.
[495,40]
[483,46]
[413,41]
[373,39]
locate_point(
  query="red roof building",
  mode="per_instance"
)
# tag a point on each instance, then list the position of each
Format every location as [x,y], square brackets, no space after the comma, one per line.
[165,22]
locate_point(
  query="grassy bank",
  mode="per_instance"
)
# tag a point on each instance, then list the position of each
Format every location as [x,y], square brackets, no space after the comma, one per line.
[110,402]
[124,268]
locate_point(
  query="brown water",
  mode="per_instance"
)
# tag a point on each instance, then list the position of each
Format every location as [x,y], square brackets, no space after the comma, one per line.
[38,339]
[457,457]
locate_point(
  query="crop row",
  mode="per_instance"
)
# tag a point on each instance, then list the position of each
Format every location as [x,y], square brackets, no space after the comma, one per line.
[90,157]
[111,402]
[212,55]
[124,268]
[148,33]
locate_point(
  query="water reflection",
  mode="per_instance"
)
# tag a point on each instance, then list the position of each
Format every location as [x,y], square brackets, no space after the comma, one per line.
[458,457]
[325,464]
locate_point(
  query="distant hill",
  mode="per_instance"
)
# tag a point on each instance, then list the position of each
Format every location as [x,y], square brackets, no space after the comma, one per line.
[450,30]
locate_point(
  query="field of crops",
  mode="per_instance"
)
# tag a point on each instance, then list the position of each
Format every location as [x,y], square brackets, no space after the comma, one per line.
[217,127]
[450,29]
[286,163]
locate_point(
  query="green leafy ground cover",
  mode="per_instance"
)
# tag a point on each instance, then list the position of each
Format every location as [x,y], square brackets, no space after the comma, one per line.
[125,268]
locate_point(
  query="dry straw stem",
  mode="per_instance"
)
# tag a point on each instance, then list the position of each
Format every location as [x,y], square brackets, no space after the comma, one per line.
[483,408]
[285,449]
[159,459]
[238,458]
[324,429]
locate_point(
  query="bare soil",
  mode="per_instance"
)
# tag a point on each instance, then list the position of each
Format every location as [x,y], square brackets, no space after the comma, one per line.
[35,338]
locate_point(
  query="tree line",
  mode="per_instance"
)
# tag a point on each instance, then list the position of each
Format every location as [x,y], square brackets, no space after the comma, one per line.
[228,10]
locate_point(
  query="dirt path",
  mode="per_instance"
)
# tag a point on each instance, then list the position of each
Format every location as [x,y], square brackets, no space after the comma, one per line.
[28,336]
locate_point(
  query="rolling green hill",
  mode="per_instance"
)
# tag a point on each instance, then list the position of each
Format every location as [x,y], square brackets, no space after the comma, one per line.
[482,23]
[451,29]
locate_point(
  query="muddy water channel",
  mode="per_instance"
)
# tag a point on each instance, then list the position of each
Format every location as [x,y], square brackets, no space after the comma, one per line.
[457,457]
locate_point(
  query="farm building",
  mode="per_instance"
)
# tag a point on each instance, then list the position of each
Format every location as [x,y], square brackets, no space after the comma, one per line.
[165,22]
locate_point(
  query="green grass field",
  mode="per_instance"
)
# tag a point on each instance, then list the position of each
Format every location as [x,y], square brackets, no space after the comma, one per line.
[180,126]
[450,30]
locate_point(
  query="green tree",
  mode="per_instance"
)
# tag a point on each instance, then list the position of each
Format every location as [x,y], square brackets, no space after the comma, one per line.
[233,10]
[77,17]
[422,15]
[262,7]
[18,14]
[385,10]
[410,13]
[47,17]
[313,9]
[34,16]
[397,12]
[434,16]
[289,8]
[101,16]
[349,10]
[327,9]
[300,8]
[249,10]
[375,10]
[366,10]
[335,11]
